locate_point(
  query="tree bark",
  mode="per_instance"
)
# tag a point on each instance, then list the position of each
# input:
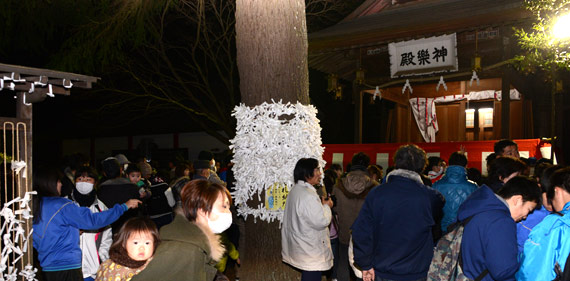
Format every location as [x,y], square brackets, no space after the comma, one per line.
[272,51]
[272,62]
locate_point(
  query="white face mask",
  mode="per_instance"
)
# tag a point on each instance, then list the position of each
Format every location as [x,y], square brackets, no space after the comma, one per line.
[223,222]
[84,187]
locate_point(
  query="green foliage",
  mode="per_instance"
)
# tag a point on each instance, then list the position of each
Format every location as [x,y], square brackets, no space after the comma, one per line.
[5,157]
[541,51]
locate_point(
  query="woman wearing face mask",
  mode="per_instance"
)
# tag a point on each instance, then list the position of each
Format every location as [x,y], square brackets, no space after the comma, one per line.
[189,248]
[94,243]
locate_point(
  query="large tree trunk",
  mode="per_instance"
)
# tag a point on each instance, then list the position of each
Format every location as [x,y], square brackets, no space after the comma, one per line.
[272,62]
[272,51]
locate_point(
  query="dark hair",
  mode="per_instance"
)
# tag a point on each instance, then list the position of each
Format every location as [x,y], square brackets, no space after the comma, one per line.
[490,158]
[539,169]
[374,170]
[118,251]
[502,167]
[500,145]
[474,175]
[111,168]
[200,194]
[523,186]
[86,172]
[360,159]
[410,157]
[205,155]
[45,181]
[336,167]
[304,169]
[329,180]
[132,168]
[458,158]
[432,161]
[559,178]
[179,170]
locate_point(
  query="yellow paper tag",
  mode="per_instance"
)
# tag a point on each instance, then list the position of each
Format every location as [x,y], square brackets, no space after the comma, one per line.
[276,196]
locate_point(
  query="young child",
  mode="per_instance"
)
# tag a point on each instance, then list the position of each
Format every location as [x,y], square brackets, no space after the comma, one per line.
[133,173]
[133,248]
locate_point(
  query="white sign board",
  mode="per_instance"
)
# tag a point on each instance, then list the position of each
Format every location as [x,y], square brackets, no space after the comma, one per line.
[423,56]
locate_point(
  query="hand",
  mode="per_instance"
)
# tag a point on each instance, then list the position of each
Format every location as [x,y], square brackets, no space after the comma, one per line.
[328,201]
[133,203]
[462,149]
[368,275]
[238,261]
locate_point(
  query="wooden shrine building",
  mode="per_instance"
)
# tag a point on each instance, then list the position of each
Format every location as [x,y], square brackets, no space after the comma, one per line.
[372,48]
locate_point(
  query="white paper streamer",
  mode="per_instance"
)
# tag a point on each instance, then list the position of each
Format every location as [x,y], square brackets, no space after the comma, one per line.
[266,149]
[39,82]
[50,91]
[407,85]
[67,86]
[474,77]
[440,83]
[377,93]
[14,239]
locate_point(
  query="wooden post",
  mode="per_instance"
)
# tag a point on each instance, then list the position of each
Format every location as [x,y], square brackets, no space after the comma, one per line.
[505,107]
[357,95]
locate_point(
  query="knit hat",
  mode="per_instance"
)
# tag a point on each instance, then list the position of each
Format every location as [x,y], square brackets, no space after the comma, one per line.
[122,159]
[201,164]
[146,169]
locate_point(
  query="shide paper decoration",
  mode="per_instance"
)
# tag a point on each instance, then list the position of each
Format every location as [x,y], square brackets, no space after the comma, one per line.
[15,215]
[270,139]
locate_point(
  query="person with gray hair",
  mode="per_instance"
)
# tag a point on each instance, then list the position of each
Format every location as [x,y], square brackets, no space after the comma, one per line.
[392,234]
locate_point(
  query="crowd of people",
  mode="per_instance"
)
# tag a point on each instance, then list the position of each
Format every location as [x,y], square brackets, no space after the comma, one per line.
[92,227]
[131,223]
[364,225]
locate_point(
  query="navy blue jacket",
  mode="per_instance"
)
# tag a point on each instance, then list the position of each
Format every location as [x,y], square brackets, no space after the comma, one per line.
[393,231]
[455,187]
[490,238]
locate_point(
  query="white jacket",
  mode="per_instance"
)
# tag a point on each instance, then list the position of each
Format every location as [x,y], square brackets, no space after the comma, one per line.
[304,234]
[87,243]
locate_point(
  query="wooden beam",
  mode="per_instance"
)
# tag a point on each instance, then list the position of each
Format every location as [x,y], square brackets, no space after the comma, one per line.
[53,74]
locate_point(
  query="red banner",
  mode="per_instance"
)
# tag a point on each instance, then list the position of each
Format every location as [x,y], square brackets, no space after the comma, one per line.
[382,153]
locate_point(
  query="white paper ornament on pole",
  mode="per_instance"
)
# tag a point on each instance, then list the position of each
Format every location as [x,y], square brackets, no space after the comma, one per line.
[270,139]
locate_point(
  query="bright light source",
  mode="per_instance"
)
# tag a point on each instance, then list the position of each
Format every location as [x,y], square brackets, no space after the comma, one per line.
[485,110]
[469,110]
[561,29]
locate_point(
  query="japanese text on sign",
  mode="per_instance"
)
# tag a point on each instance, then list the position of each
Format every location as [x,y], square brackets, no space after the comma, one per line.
[423,56]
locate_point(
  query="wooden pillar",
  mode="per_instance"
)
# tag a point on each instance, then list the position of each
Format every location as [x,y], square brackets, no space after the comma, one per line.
[505,107]
[357,97]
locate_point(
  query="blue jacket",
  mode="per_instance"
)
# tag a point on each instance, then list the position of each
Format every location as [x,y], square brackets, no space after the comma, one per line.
[56,234]
[392,232]
[548,243]
[455,187]
[490,238]
[524,227]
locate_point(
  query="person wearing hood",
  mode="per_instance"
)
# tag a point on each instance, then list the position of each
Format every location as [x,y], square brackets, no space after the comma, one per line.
[489,245]
[392,234]
[350,192]
[548,244]
[455,187]
[94,243]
